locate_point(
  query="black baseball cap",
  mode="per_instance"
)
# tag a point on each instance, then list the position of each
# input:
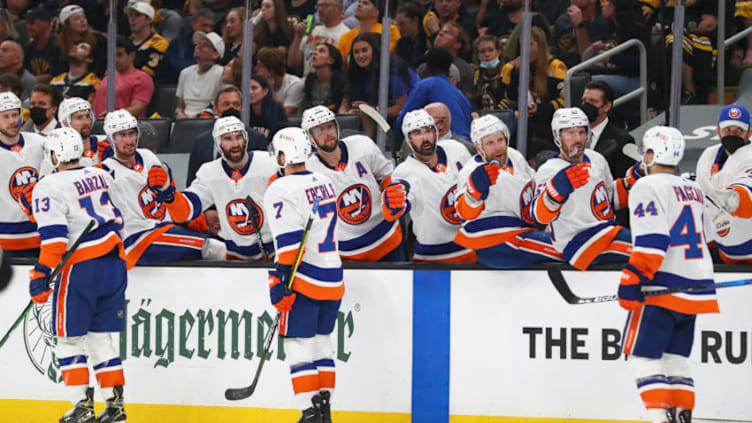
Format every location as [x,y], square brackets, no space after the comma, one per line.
[38,12]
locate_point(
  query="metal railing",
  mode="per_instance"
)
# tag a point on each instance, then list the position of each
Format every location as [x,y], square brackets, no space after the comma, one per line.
[642,91]
[722,46]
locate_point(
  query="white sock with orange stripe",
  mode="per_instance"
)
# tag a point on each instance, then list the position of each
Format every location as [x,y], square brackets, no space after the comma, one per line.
[680,379]
[325,363]
[303,371]
[71,356]
[105,362]
[652,383]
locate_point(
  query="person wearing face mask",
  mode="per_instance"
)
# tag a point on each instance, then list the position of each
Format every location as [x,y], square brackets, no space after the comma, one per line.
[724,172]
[488,89]
[43,101]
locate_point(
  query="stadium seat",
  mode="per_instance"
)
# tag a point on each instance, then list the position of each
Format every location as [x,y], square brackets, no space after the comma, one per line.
[184,133]
[97,128]
[579,80]
[154,133]
[348,121]
[164,101]
[293,121]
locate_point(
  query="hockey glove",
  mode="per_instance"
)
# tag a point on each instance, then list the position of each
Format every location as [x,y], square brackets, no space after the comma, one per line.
[24,200]
[729,200]
[567,180]
[481,180]
[38,285]
[630,288]
[104,150]
[161,183]
[281,298]
[394,200]
[633,174]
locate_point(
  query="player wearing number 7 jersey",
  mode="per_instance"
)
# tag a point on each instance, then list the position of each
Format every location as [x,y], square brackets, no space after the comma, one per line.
[669,251]
[88,301]
[309,310]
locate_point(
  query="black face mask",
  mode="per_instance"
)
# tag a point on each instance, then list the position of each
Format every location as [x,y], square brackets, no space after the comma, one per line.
[38,115]
[590,111]
[231,112]
[732,143]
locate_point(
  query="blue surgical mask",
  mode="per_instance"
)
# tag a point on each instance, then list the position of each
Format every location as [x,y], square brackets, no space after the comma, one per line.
[490,65]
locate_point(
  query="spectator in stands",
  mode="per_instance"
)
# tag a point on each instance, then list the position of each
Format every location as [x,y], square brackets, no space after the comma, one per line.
[743,15]
[150,46]
[43,101]
[167,22]
[198,84]
[445,11]
[11,61]
[273,30]
[298,10]
[74,29]
[363,80]
[545,95]
[330,31]
[550,9]
[411,46]
[438,88]
[488,90]
[267,114]
[133,87]
[227,103]
[232,34]
[512,47]
[13,11]
[179,54]
[326,84]
[42,55]
[287,88]
[501,18]
[577,29]
[454,39]
[10,82]
[7,30]
[79,81]
[369,15]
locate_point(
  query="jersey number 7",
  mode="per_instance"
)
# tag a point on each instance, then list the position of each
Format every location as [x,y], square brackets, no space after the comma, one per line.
[325,210]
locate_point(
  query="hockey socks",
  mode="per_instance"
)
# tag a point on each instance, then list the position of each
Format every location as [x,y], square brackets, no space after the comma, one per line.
[663,383]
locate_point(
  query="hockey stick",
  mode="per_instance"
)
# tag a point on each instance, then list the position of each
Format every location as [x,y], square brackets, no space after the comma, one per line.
[251,206]
[554,273]
[630,150]
[53,275]
[375,116]
[234,394]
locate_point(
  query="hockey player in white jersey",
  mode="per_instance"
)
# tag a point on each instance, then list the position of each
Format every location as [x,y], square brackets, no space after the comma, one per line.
[496,190]
[149,236]
[225,183]
[724,172]
[576,196]
[669,251]
[21,156]
[88,301]
[359,171]
[309,310]
[76,113]
[424,186]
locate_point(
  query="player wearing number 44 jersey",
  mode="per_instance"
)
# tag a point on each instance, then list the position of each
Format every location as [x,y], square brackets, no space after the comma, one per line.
[88,302]
[359,170]
[576,196]
[225,183]
[309,310]
[669,251]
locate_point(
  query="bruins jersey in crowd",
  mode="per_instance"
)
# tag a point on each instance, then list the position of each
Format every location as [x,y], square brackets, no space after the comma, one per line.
[150,52]
[83,86]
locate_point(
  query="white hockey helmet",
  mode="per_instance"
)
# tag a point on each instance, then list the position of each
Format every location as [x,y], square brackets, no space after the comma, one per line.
[9,101]
[227,125]
[315,116]
[667,144]
[118,120]
[484,126]
[417,119]
[65,143]
[294,143]
[568,117]
[69,106]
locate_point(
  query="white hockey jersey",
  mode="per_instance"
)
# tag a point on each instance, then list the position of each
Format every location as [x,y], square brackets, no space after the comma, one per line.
[506,211]
[63,205]
[19,163]
[363,233]
[735,241]
[585,224]
[666,219]
[219,185]
[431,203]
[289,202]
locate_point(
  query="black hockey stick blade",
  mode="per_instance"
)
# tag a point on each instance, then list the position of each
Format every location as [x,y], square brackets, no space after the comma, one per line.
[557,278]
[251,206]
[236,394]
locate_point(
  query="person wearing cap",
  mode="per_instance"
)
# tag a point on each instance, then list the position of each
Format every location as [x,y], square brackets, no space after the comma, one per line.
[42,55]
[198,84]
[133,87]
[75,29]
[724,172]
[150,46]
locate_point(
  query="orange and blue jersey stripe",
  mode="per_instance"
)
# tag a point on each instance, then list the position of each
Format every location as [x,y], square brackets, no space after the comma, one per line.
[744,210]
[697,302]
[733,254]
[374,244]
[287,247]
[584,247]
[489,231]
[18,235]
[97,243]
[319,283]
[137,243]
[247,252]
[449,252]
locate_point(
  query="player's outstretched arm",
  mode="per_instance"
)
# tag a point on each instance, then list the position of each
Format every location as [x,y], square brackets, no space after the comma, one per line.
[160,181]
[470,202]
[555,191]
[394,202]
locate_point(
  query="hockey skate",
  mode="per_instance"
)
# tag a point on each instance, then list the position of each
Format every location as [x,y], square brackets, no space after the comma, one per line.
[115,410]
[83,412]
[310,415]
[684,416]
[321,402]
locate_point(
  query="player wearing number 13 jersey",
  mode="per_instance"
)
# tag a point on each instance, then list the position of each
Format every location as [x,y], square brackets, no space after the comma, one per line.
[309,309]
[669,251]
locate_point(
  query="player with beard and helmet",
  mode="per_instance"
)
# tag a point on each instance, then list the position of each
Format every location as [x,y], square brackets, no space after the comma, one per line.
[225,183]
[359,171]
[76,113]
[424,186]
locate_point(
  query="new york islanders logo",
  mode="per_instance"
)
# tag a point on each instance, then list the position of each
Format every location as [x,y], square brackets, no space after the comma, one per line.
[734,113]
[526,202]
[448,209]
[237,217]
[149,205]
[600,204]
[354,204]
[19,179]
